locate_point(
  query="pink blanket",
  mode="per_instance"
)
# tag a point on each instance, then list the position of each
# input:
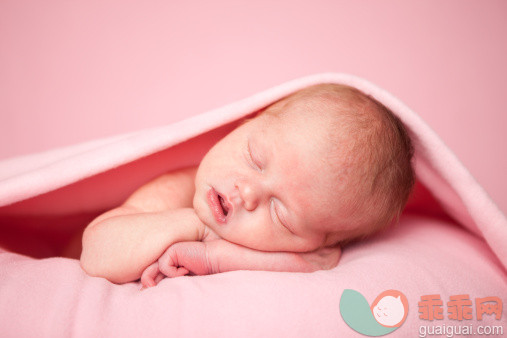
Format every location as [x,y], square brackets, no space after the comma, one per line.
[451,240]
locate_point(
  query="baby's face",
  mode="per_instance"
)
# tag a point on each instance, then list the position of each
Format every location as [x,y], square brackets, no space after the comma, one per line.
[268,186]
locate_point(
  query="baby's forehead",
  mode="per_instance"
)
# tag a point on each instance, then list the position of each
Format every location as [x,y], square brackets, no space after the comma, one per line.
[313,105]
[309,140]
[303,115]
[311,146]
[331,115]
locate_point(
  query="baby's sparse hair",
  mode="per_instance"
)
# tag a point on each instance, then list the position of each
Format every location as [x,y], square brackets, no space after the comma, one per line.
[380,153]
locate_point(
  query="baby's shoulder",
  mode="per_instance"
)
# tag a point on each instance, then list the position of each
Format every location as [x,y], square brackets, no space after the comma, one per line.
[174,178]
[171,190]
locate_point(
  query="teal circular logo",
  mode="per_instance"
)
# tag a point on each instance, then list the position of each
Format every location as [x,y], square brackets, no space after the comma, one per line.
[386,314]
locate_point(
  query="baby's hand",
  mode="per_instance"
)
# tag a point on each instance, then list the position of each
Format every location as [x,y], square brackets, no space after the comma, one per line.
[178,260]
[202,258]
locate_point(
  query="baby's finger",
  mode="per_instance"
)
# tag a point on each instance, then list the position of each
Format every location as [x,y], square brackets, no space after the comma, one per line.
[173,271]
[159,277]
[150,276]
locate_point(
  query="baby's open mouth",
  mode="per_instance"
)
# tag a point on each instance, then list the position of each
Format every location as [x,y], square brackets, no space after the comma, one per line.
[225,209]
[218,205]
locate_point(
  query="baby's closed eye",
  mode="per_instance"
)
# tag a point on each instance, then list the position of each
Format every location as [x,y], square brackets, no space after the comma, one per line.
[252,157]
[278,217]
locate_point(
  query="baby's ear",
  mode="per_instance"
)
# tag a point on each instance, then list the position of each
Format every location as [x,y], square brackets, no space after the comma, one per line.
[324,258]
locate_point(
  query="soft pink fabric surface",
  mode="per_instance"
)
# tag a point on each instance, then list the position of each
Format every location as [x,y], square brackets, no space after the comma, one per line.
[53,298]
[448,244]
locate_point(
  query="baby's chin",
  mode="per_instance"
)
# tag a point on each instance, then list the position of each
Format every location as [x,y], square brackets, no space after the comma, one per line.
[200,206]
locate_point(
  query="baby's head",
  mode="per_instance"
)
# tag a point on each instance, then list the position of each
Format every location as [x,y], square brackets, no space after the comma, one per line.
[324,165]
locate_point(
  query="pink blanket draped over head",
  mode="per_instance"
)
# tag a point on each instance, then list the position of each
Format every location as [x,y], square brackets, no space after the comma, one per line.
[451,240]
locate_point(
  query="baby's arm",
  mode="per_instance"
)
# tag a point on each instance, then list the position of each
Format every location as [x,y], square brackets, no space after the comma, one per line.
[122,242]
[209,257]
[121,247]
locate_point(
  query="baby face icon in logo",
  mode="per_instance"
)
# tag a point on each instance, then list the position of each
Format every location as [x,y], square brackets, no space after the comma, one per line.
[387,312]
[390,308]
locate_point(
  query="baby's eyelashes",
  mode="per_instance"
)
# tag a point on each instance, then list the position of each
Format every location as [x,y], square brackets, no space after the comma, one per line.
[249,159]
[278,217]
[254,161]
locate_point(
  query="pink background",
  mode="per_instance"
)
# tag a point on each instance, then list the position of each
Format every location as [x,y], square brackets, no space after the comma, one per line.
[76,71]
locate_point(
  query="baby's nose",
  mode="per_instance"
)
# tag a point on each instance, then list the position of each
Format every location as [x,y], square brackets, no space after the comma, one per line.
[249,193]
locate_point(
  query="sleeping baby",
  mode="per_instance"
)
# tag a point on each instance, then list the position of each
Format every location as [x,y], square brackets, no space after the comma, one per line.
[282,192]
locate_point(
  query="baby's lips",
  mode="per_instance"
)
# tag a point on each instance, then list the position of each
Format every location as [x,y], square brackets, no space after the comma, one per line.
[215,206]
